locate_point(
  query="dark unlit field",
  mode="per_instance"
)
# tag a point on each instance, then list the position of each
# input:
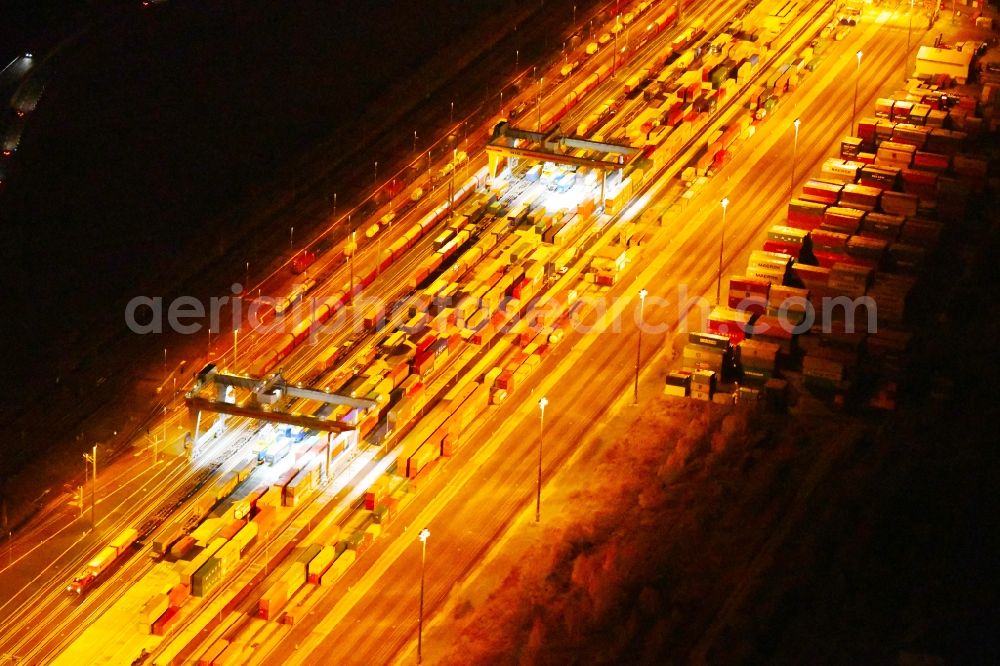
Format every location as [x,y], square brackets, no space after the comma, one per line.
[175,145]
[740,539]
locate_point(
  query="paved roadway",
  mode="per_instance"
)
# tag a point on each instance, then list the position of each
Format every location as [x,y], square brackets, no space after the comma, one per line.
[45,608]
[347,627]
[624,369]
[248,605]
[46,614]
[57,523]
[717,19]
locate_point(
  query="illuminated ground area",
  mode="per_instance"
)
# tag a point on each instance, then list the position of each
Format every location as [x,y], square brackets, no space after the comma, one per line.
[599,377]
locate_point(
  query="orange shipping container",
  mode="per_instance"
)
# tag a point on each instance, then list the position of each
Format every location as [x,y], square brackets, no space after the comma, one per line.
[265,519]
[231,656]
[178,595]
[212,652]
[230,530]
[271,603]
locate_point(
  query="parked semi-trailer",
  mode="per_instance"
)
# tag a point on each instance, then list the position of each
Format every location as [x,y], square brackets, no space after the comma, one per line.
[102,561]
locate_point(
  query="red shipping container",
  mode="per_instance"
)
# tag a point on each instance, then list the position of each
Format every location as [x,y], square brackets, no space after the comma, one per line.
[770,327]
[521,289]
[165,621]
[747,286]
[230,530]
[828,259]
[858,261]
[170,619]
[425,342]
[920,177]
[822,239]
[866,130]
[804,223]
[931,161]
[825,192]
[811,275]
[506,381]
[182,546]
[790,249]
[303,260]
[733,330]
[423,363]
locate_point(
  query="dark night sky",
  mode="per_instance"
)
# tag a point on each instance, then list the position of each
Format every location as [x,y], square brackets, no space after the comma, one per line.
[162,119]
[34,24]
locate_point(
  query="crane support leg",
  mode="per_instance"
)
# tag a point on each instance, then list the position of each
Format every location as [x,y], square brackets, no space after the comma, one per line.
[494,159]
[197,432]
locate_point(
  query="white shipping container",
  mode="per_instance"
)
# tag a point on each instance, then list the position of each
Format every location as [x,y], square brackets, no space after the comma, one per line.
[321,563]
[209,527]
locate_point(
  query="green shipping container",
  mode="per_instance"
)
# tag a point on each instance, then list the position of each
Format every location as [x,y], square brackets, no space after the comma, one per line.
[755,377]
[310,552]
[206,578]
